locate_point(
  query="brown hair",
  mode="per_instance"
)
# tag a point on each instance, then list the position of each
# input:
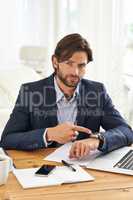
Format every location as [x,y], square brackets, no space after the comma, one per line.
[71,44]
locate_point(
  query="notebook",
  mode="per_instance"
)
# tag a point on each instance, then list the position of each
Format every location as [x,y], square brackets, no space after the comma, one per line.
[60,175]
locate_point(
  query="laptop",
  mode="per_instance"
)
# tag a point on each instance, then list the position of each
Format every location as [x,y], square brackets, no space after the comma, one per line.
[117,161]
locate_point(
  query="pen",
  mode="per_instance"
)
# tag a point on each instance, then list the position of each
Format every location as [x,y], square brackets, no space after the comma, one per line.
[68,165]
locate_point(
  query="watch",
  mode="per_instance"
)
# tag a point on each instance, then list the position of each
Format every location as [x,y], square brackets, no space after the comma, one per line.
[100,137]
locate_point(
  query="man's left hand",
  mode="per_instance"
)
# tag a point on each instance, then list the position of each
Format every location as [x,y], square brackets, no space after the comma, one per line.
[83,147]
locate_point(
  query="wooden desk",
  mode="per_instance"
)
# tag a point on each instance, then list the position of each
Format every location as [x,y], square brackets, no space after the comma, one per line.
[107,186]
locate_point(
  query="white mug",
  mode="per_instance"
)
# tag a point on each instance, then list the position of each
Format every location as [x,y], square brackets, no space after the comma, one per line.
[5,167]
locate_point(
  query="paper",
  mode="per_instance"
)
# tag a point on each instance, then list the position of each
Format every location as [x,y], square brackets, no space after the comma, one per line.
[66,175]
[62,153]
[60,174]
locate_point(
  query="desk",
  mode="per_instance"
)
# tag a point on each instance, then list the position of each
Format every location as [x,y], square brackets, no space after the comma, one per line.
[107,186]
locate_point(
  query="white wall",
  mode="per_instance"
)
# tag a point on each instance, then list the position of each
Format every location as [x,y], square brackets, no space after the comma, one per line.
[8,32]
[101,22]
[44,22]
[22,22]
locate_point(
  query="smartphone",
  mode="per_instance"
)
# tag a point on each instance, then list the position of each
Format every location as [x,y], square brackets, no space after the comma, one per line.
[45,170]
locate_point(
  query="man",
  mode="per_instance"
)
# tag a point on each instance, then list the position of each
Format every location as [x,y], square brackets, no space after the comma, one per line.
[65,107]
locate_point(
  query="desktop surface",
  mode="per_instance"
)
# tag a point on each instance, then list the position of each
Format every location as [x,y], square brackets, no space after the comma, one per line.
[106,186]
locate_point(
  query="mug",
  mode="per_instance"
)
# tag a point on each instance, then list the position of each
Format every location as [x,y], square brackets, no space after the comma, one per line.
[5,167]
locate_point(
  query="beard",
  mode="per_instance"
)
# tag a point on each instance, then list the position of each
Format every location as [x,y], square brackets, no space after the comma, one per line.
[68,80]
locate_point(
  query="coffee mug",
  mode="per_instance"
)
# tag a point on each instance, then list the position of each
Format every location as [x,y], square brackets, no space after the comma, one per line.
[5,167]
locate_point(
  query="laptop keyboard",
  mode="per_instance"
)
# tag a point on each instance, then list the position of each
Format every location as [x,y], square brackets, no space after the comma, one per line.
[126,161]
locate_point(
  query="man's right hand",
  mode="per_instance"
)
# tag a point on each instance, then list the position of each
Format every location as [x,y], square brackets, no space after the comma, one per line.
[65,132]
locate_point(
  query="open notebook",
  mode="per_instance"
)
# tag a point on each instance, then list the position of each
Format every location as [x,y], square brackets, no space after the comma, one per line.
[118,161]
[60,175]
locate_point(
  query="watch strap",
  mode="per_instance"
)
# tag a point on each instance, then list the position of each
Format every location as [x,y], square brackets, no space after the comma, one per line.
[101,140]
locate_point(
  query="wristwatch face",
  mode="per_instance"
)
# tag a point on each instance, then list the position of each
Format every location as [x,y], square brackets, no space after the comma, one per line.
[95,135]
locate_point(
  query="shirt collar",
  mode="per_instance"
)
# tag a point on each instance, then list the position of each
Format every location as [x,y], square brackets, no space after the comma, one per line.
[60,94]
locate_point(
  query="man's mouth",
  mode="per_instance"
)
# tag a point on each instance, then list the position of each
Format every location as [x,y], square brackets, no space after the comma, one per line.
[74,78]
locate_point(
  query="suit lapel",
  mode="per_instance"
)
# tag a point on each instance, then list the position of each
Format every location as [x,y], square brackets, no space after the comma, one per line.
[51,106]
[81,106]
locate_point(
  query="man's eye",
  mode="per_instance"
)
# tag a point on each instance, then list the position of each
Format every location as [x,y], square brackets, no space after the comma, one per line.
[82,65]
[69,63]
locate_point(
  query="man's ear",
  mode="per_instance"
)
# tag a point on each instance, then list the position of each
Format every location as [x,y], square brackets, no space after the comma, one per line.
[54,61]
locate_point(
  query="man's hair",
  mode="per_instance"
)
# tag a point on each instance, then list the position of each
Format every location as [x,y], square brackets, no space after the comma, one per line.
[71,44]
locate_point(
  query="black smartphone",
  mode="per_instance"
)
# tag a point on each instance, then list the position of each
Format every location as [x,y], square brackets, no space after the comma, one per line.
[45,170]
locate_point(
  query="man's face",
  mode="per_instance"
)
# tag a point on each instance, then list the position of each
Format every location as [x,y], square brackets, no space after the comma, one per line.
[71,71]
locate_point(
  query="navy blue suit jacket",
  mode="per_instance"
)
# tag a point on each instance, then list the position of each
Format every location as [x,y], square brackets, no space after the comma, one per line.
[36,109]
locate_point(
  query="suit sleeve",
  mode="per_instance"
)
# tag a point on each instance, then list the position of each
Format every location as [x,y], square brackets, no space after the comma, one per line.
[17,133]
[117,132]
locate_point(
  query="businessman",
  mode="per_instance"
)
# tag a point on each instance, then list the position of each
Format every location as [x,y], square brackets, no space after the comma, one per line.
[66,107]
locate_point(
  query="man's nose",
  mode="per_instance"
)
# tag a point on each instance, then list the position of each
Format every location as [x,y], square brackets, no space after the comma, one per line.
[75,70]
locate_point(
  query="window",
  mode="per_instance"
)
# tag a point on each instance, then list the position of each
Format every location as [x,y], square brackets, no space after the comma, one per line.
[128,34]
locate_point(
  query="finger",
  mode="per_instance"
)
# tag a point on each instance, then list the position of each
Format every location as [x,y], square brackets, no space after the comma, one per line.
[82,150]
[72,151]
[78,149]
[87,150]
[81,129]
[76,133]
[73,138]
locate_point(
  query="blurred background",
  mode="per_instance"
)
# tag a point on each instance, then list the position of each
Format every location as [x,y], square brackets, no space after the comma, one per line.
[30,30]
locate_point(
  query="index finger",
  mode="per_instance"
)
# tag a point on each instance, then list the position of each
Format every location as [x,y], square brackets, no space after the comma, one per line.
[72,151]
[82,129]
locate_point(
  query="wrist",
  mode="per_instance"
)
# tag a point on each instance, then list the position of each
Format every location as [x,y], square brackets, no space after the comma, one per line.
[100,138]
[50,135]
